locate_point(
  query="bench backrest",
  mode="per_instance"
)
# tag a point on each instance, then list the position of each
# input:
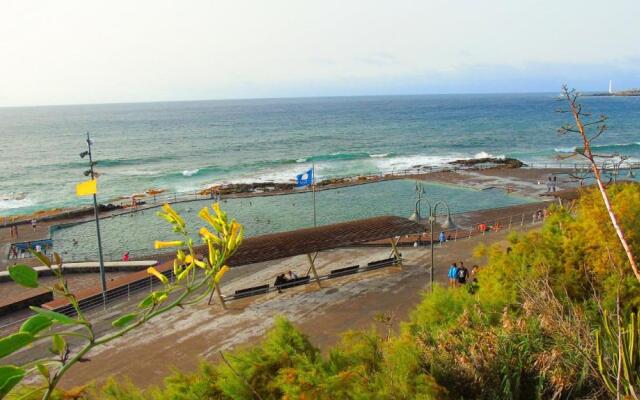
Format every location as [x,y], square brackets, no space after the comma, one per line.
[344,271]
[382,263]
[251,291]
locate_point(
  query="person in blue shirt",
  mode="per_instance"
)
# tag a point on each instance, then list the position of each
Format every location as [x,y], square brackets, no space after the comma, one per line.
[453,275]
[442,238]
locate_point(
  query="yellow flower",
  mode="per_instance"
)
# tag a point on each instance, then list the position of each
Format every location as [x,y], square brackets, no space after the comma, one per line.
[205,215]
[177,268]
[220,274]
[184,273]
[161,245]
[176,217]
[236,229]
[208,236]
[221,214]
[157,274]
[160,297]
[240,236]
[213,253]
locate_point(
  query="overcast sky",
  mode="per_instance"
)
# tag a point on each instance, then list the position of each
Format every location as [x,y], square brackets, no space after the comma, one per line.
[85,51]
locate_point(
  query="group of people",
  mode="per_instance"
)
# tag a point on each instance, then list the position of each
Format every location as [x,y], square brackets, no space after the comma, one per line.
[13,229]
[283,279]
[459,274]
[540,215]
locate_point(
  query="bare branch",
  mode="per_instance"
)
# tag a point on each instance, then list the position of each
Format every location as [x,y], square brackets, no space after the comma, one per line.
[576,110]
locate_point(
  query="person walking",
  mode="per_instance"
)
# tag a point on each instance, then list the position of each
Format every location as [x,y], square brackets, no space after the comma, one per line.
[463,273]
[442,238]
[554,183]
[474,274]
[33,224]
[453,275]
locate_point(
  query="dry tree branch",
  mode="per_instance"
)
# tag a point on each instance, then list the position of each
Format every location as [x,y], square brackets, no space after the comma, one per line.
[576,111]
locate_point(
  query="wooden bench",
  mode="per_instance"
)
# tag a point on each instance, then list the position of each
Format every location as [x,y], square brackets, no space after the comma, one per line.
[382,263]
[252,291]
[344,271]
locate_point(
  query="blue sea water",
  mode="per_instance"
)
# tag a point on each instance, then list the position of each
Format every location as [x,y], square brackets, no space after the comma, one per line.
[184,146]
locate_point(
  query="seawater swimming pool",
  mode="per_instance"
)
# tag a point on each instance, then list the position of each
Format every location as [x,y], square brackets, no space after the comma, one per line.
[136,232]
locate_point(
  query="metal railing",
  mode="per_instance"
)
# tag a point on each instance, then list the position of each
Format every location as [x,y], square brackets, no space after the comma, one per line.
[97,303]
[483,227]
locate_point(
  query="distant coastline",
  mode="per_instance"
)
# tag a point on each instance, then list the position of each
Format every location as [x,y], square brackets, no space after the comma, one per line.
[623,93]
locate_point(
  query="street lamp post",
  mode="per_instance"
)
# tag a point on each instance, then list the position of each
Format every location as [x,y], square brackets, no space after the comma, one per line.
[92,173]
[433,208]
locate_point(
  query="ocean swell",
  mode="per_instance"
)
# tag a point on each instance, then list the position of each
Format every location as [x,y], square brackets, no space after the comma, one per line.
[340,156]
[615,147]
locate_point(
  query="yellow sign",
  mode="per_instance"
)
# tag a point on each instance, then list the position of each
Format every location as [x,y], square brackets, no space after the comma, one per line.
[86,188]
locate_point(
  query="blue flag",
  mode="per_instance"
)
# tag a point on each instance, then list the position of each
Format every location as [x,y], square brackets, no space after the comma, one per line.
[305,179]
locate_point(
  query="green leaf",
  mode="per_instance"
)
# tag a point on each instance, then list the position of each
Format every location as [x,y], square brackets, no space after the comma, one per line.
[57,259]
[59,345]
[36,324]
[55,316]
[124,320]
[44,371]
[24,275]
[40,256]
[9,377]
[13,343]
[148,301]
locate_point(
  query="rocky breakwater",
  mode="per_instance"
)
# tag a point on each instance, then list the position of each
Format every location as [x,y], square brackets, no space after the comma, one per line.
[503,162]
[256,187]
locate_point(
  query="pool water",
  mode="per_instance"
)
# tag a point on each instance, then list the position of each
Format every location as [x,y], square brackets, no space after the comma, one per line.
[136,232]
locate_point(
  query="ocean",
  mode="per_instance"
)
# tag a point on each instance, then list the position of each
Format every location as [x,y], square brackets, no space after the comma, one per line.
[185,146]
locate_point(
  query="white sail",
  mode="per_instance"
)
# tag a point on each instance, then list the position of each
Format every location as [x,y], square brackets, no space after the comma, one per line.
[610,91]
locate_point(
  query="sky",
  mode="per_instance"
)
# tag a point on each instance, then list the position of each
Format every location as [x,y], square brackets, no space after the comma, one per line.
[87,51]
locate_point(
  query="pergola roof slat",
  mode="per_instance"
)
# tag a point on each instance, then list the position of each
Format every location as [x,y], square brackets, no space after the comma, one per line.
[275,246]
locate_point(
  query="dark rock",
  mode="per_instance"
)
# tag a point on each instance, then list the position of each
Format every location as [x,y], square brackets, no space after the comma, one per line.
[505,162]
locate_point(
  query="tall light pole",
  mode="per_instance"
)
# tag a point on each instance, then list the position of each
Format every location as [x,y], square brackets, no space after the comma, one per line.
[433,208]
[313,187]
[92,173]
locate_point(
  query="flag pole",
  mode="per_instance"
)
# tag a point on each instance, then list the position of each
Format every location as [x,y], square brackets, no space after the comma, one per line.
[103,280]
[313,187]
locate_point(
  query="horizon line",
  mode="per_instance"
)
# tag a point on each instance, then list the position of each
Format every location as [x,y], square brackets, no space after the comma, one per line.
[268,98]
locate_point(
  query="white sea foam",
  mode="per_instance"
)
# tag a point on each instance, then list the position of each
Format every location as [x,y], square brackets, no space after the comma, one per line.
[382,155]
[570,149]
[190,172]
[137,172]
[11,203]
[484,154]
[408,162]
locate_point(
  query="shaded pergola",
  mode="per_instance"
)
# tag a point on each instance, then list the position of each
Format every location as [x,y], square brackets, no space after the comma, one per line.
[270,247]
[311,241]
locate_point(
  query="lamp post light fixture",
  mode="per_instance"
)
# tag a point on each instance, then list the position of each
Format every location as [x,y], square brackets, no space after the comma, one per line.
[93,174]
[431,218]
